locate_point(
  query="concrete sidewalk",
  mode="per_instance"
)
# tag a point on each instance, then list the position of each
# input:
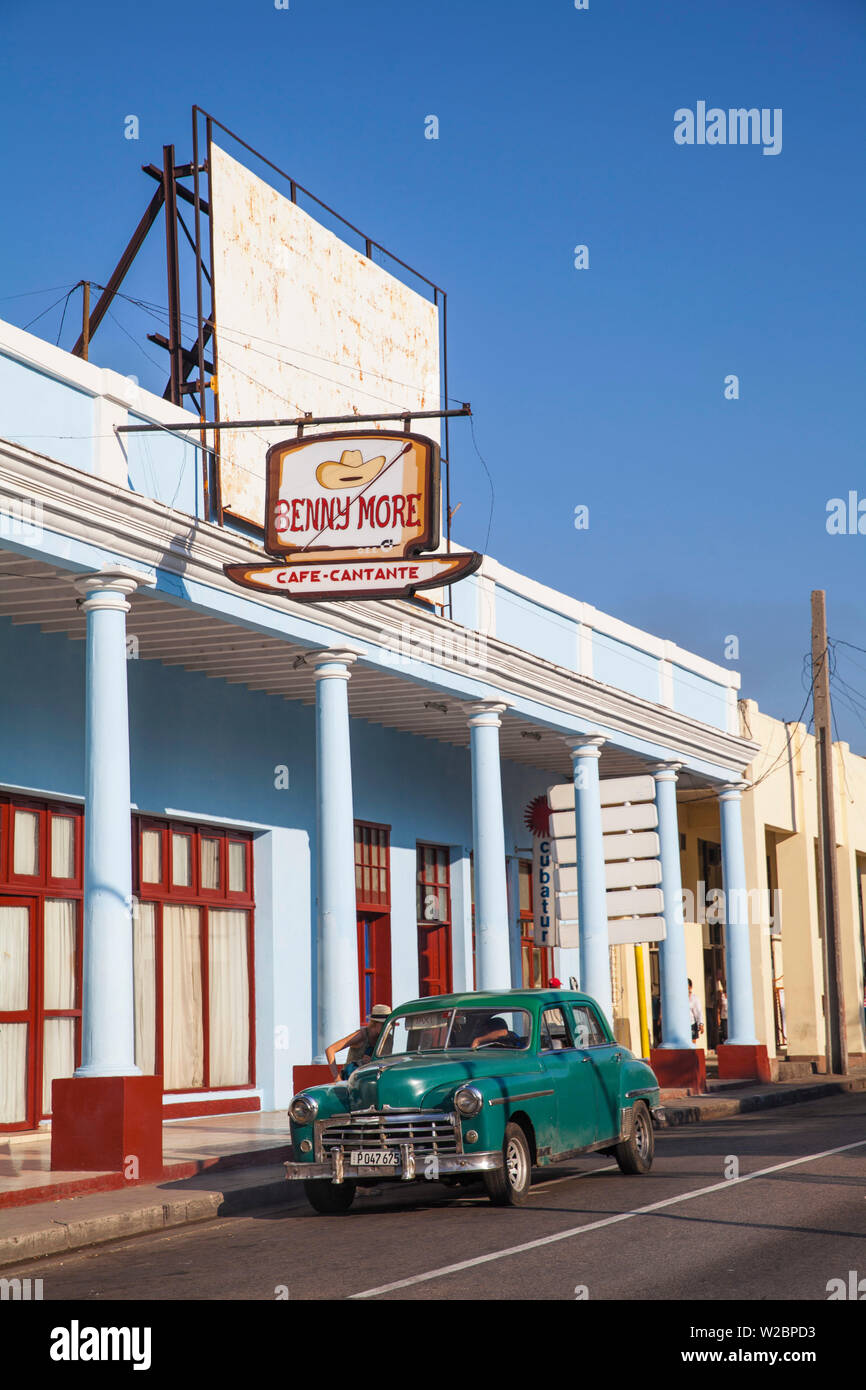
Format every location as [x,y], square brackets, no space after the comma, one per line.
[248,1173]
[728,1098]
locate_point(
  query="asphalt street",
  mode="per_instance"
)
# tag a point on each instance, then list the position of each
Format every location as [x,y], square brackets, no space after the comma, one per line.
[764,1206]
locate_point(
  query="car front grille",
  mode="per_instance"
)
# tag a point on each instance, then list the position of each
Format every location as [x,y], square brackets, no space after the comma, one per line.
[428,1132]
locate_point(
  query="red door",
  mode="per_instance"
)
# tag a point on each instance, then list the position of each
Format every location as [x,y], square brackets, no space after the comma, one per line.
[19,1035]
[434,958]
[374,960]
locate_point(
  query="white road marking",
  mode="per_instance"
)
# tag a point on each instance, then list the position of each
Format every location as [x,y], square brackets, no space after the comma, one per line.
[727,1183]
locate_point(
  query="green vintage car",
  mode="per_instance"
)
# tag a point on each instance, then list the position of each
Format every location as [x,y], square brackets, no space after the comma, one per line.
[476,1084]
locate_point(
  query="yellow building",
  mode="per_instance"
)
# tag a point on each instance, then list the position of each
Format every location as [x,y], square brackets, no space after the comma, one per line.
[780,828]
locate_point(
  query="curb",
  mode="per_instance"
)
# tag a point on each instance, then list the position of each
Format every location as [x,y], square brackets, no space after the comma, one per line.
[163,1210]
[676,1113]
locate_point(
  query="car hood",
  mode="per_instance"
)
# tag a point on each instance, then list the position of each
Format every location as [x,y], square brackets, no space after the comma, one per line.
[425,1080]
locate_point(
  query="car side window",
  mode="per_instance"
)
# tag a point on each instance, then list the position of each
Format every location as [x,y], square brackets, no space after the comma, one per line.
[554,1030]
[587,1029]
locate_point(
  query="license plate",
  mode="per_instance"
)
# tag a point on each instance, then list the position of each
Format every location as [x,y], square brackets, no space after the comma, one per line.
[374,1158]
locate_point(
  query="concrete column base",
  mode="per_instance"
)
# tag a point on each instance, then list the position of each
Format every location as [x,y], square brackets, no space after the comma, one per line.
[108,1123]
[743,1062]
[680,1067]
[313,1075]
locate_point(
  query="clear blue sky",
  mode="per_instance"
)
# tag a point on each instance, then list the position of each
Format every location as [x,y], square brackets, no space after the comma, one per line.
[602,387]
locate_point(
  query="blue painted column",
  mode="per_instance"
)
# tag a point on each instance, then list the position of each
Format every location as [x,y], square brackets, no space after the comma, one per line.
[591,885]
[335,852]
[738,956]
[492,946]
[108,1001]
[673,968]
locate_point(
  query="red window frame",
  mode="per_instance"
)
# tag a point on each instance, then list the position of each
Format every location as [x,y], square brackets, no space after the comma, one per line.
[370,836]
[373,910]
[32,891]
[167,893]
[437,875]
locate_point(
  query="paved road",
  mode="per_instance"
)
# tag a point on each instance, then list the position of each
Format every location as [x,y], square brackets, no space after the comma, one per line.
[794,1220]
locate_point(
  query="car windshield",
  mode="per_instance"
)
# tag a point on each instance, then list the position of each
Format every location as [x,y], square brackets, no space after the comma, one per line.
[452,1030]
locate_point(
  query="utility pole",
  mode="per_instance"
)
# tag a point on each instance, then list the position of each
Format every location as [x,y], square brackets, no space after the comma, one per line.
[85,319]
[828,875]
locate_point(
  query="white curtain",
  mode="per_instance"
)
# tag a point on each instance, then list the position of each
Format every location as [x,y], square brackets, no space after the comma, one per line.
[58,1054]
[14,957]
[182,1032]
[151,856]
[14,992]
[26,843]
[62,847]
[60,916]
[144,973]
[58,1034]
[237,867]
[181,861]
[210,863]
[13,1073]
[229,998]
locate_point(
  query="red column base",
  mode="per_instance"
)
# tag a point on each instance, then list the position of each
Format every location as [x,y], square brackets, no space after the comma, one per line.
[109,1123]
[313,1075]
[680,1068]
[743,1062]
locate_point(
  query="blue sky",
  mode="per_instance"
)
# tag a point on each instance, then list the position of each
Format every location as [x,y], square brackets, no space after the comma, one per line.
[602,387]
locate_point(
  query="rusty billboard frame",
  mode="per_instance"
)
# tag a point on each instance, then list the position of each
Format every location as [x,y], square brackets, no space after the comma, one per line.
[203,356]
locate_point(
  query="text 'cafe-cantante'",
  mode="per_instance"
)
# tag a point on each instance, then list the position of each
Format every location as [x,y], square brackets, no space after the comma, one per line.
[308,814]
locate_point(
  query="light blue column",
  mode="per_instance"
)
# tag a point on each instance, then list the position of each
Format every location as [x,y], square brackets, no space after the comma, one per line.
[108,1002]
[738,956]
[591,885]
[673,968]
[492,952]
[335,852]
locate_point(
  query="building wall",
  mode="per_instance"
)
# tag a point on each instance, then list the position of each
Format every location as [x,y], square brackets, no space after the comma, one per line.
[204,750]
[787,802]
[780,816]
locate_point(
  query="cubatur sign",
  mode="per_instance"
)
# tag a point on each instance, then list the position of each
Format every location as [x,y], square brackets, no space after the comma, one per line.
[350,516]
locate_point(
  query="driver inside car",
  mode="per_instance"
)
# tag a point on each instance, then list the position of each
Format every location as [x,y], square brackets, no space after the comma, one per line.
[495,1030]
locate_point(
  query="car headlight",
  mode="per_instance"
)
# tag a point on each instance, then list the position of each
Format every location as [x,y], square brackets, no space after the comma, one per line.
[303,1110]
[468,1100]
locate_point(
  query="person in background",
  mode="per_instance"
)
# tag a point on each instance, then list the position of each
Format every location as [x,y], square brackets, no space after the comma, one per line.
[697,1014]
[360,1044]
[722,1002]
[657,1019]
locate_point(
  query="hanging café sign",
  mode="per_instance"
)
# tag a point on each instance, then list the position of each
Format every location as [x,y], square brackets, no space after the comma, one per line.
[351,516]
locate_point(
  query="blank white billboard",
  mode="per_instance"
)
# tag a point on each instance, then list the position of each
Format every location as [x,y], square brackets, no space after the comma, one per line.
[304,322]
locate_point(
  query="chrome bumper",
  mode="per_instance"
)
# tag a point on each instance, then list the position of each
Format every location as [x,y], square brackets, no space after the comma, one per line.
[412,1166]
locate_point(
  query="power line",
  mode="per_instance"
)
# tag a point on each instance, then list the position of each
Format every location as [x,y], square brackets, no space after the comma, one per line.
[48,310]
[28,294]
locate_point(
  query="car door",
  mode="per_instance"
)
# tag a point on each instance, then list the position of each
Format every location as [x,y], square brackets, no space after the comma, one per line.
[605,1063]
[573,1081]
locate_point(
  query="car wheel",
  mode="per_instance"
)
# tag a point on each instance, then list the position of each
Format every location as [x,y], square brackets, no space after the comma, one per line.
[329,1198]
[635,1154]
[509,1185]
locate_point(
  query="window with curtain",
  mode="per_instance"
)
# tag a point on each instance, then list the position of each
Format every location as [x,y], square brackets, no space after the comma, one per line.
[40,954]
[193,955]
